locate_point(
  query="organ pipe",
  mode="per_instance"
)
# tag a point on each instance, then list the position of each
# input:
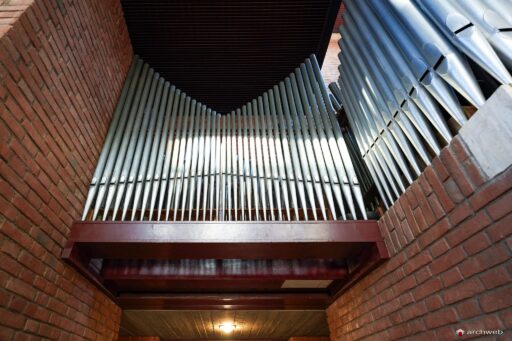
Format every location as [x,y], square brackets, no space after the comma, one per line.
[403,67]
[280,157]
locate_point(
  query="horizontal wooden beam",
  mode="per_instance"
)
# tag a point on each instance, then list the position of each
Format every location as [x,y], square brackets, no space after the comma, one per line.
[133,262]
[217,275]
[249,301]
[222,240]
[220,269]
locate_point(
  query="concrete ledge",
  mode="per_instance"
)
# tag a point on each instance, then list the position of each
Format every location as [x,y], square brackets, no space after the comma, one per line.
[488,134]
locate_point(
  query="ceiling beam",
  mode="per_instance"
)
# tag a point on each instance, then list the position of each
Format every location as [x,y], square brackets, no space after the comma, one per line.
[135,254]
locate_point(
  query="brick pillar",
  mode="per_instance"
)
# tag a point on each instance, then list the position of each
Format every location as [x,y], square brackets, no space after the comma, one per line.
[450,245]
[62,67]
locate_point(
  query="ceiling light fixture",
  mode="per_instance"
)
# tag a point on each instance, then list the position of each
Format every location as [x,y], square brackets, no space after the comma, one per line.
[227,328]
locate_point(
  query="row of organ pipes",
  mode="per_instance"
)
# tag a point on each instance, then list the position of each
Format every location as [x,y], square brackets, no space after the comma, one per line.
[403,71]
[280,157]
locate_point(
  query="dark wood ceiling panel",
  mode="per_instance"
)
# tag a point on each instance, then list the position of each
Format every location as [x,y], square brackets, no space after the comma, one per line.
[225,53]
[275,324]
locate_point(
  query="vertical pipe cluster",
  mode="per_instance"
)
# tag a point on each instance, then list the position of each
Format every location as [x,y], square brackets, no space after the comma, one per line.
[402,67]
[281,156]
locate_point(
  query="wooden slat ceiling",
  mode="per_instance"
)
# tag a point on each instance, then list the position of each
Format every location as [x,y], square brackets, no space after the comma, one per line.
[276,324]
[227,52]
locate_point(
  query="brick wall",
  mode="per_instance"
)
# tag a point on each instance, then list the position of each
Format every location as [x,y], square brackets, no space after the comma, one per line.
[62,66]
[330,71]
[339,18]
[138,338]
[450,266]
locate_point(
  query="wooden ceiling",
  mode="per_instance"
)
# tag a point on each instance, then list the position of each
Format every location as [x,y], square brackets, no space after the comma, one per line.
[225,53]
[275,324]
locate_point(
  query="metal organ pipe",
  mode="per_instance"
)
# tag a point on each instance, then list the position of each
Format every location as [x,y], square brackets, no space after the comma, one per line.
[401,63]
[281,156]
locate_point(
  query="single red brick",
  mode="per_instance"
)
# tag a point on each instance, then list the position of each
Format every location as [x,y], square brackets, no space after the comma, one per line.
[501,206]
[411,196]
[406,284]
[468,228]
[486,259]
[453,191]
[386,218]
[7,263]
[425,186]
[10,319]
[401,235]
[394,239]
[407,232]
[9,65]
[413,310]
[476,244]
[496,299]
[434,233]
[492,189]
[440,318]
[411,251]
[506,318]
[444,333]
[405,299]
[21,288]
[439,247]
[451,277]
[456,171]
[438,189]
[434,302]
[437,209]
[495,254]
[461,212]
[422,275]
[411,221]
[446,261]
[459,149]
[501,229]
[474,173]
[420,219]
[465,289]
[439,169]
[495,277]
[6,42]
[426,289]
[417,262]
[468,308]
[399,210]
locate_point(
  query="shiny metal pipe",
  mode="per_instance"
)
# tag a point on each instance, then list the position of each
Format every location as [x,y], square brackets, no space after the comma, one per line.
[423,72]
[495,25]
[281,156]
[441,56]
[104,167]
[458,28]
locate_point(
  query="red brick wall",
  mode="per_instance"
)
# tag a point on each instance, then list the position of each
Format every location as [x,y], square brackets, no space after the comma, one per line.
[138,338]
[330,71]
[450,267]
[62,67]
[339,18]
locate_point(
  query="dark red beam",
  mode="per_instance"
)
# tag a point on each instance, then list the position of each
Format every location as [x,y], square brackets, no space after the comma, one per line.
[222,240]
[161,242]
[222,269]
[216,275]
[250,301]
